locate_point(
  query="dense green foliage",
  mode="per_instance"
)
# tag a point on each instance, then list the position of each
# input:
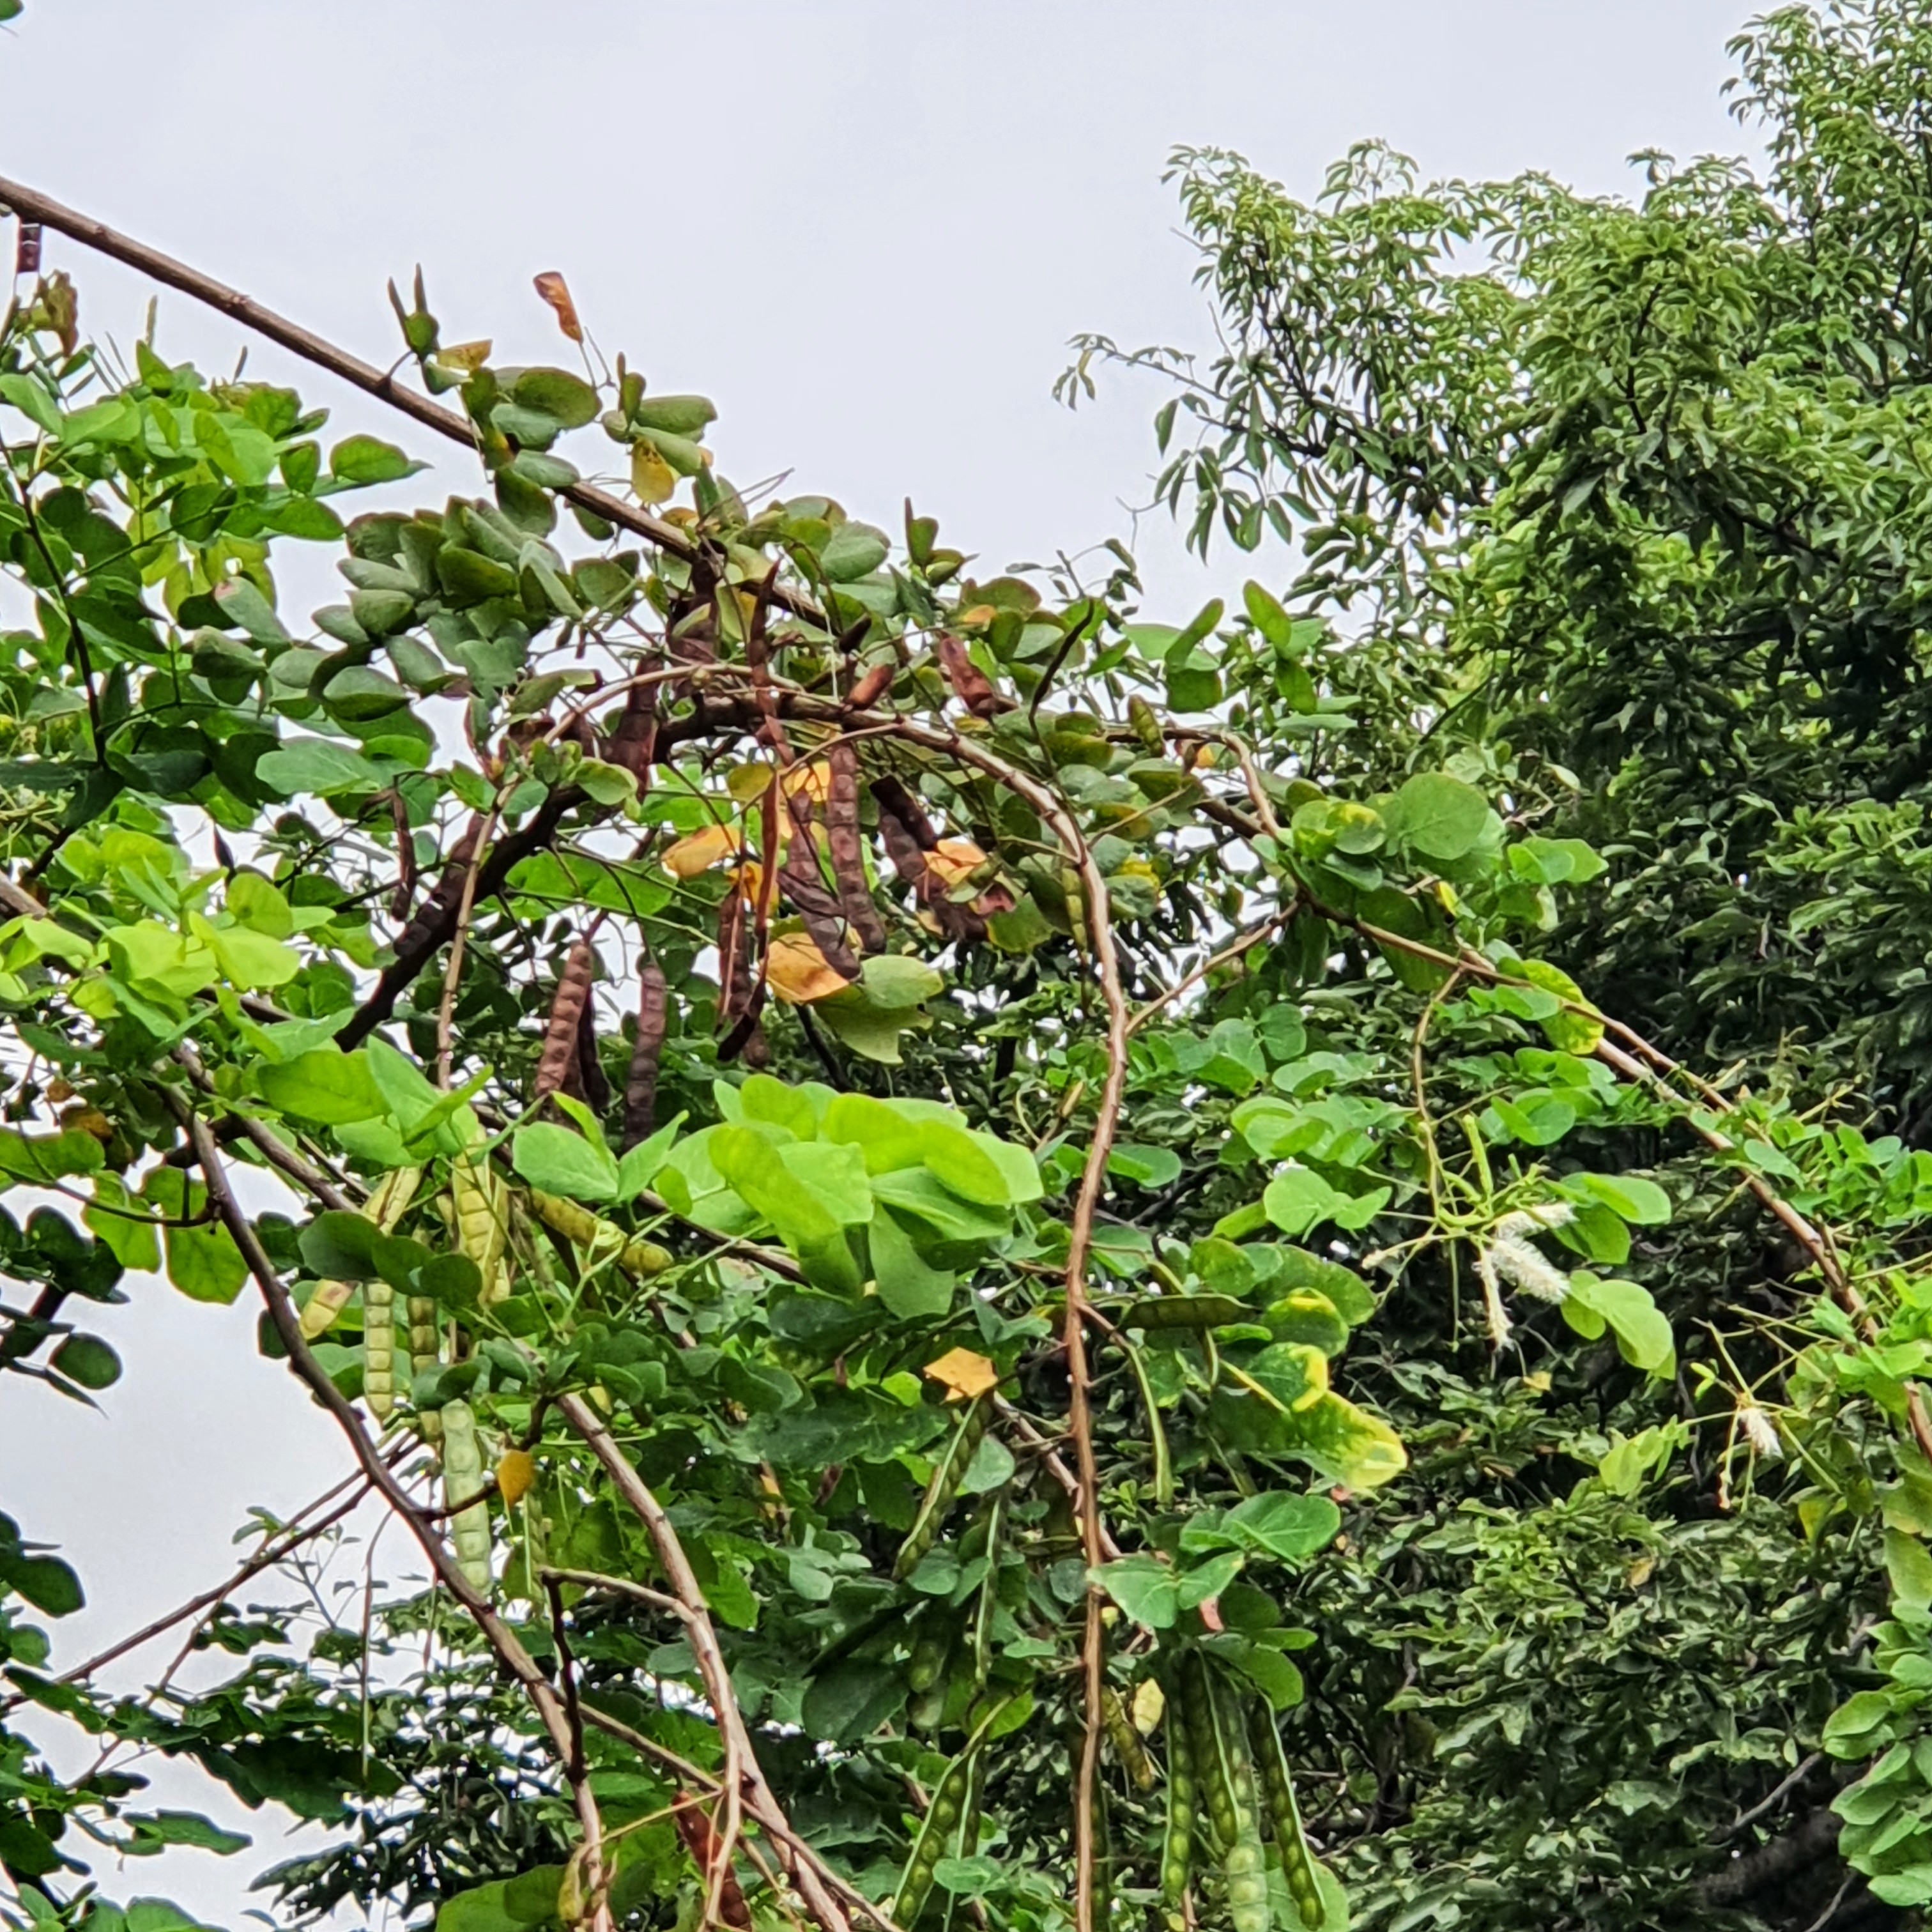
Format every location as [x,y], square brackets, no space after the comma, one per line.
[1627,504]
[784,1054]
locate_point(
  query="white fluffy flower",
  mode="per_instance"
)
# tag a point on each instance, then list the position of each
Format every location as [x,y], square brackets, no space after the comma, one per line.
[1492,1302]
[1525,1267]
[1760,1432]
[1537,1220]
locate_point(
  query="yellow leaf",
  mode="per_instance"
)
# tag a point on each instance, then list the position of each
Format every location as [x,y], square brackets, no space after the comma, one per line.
[1149,1702]
[467,356]
[813,779]
[556,291]
[954,860]
[963,1374]
[653,479]
[749,783]
[700,851]
[515,1474]
[798,973]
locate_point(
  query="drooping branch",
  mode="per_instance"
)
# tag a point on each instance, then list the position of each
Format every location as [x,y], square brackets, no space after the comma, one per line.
[502,1639]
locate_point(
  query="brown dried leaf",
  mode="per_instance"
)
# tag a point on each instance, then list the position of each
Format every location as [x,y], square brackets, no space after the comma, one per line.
[556,291]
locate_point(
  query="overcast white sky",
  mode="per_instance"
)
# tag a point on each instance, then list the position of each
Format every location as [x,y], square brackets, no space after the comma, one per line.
[866,228]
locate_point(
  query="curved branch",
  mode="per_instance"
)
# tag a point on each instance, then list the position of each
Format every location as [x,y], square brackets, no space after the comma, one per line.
[30,204]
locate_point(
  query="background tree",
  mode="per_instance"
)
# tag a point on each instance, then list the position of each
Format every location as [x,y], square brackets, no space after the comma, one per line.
[995,1269]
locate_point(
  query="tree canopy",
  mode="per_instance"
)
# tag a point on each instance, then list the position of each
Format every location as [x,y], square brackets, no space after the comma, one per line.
[1010,1262]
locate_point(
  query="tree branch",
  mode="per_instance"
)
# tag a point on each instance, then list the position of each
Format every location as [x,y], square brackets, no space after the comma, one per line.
[501,1639]
[744,1780]
[30,204]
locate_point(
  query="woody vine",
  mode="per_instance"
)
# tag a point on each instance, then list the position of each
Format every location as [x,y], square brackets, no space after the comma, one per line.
[861,1142]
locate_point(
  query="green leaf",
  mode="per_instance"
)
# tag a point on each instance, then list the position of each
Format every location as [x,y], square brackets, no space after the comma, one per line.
[201,1259]
[88,1360]
[129,1237]
[257,903]
[1297,1200]
[638,1167]
[1284,1524]
[484,1908]
[962,1164]
[324,1085]
[187,1828]
[852,551]
[531,1896]
[318,765]
[1642,1329]
[566,399]
[339,1245]
[49,1585]
[850,1701]
[911,1291]
[1148,1590]
[1568,1032]
[251,959]
[1359,1450]
[1628,1196]
[560,1162]
[749,1163]
[1149,1166]
[366,459]
[1438,816]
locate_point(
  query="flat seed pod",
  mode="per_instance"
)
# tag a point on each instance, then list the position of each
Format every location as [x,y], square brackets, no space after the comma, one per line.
[845,846]
[640,1086]
[558,1058]
[462,1478]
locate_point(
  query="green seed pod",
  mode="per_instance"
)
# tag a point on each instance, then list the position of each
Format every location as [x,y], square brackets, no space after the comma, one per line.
[1177,1847]
[1147,726]
[1211,1769]
[1291,1841]
[379,1348]
[462,1477]
[388,1200]
[598,1238]
[425,1349]
[949,1473]
[1243,1870]
[936,1832]
[482,1221]
[319,1313]
[1126,1742]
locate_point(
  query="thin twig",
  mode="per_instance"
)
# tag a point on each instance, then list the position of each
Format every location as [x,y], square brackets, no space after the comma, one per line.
[290,1537]
[744,1780]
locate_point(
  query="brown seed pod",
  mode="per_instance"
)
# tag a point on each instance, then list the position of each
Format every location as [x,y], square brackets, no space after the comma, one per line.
[895,801]
[871,688]
[846,847]
[818,905]
[592,1080]
[634,744]
[909,835]
[640,1089]
[741,989]
[700,1840]
[557,1063]
[445,895]
[972,686]
[404,896]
